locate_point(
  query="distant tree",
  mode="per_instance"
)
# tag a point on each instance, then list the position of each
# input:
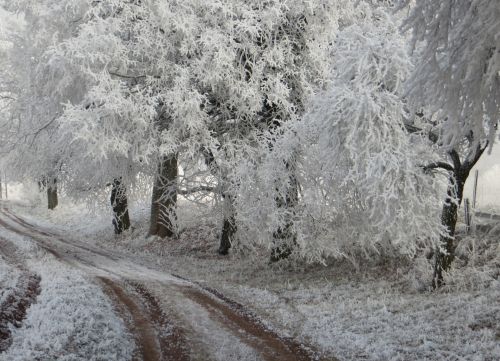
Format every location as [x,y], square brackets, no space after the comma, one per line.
[37,89]
[121,220]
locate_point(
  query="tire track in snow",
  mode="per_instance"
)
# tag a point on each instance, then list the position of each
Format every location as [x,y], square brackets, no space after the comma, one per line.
[137,323]
[172,339]
[15,307]
[23,233]
[148,323]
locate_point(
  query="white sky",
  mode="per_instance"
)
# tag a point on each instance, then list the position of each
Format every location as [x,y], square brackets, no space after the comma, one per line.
[3,15]
[6,20]
[488,188]
[3,18]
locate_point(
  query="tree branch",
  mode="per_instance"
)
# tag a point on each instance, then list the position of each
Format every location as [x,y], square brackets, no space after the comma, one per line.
[127,76]
[45,126]
[455,157]
[185,192]
[442,165]
[473,157]
[433,137]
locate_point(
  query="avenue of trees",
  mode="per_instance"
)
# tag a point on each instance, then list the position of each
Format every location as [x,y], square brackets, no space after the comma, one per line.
[322,128]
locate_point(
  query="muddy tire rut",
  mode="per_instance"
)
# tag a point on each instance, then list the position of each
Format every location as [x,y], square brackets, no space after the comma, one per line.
[257,335]
[13,310]
[250,331]
[156,337]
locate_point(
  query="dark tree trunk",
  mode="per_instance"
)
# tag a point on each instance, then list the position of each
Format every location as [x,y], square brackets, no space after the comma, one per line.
[446,253]
[228,226]
[52,193]
[119,203]
[164,200]
[284,238]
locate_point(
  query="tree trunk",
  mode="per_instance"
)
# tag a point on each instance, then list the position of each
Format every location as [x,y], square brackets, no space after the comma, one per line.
[228,226]
[284,238]
[121,219]
[52,193]
[446,252]
[164,201]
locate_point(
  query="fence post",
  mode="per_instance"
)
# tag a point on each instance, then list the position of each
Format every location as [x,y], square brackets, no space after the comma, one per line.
[474,193]
[468,217]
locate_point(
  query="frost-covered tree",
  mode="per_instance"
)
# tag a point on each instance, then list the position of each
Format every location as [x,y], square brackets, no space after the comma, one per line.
[8,84]
[117,123]
[457,83]
[130,53]
[44,144]
[39,86]
[457,74]
[362,190]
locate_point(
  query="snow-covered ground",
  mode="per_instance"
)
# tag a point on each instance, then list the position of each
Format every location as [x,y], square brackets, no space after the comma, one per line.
[8,279]
[371,311]
[71,318]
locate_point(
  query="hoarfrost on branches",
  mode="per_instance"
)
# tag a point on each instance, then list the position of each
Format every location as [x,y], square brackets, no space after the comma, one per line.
[362,189]
[458,71]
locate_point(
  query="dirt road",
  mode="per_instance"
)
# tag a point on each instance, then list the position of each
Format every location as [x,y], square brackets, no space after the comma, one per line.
[170,318]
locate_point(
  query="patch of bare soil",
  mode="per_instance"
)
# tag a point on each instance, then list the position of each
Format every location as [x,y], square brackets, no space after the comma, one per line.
[137,323]
[172,339]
